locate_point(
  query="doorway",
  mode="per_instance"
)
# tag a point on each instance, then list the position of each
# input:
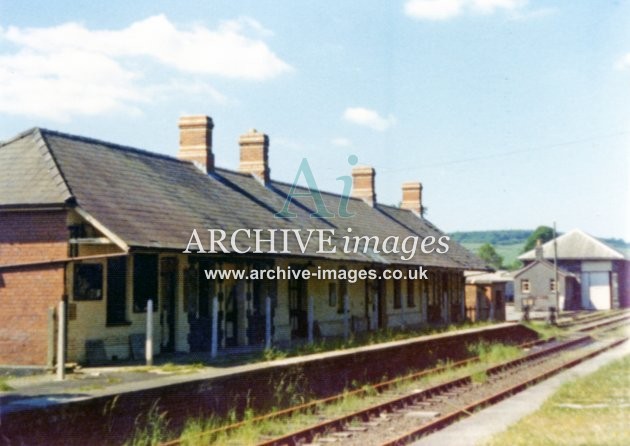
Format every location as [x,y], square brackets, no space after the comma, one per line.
[298,292]
[168,284]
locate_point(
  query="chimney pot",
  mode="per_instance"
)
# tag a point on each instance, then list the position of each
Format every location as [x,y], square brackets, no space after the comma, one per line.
[195,140]
[363,184]
[412,196]
[255,154]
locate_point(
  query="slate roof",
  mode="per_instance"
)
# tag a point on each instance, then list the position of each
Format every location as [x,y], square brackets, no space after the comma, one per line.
[545,263]
[576,245]
[152,200]
[35,179]
[475,277]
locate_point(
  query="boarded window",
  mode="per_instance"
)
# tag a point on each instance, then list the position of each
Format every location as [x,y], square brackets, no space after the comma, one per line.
[145,281]
[88,281]
[116,290]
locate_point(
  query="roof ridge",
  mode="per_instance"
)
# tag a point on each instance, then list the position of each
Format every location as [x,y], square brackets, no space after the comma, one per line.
[111,145]
[22,134]
[545,263]
[597,240]
[335,194]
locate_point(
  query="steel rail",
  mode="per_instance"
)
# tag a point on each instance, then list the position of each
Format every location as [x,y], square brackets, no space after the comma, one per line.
[382,386]
[309,433]
[604,323]
[451,417]
[379,387]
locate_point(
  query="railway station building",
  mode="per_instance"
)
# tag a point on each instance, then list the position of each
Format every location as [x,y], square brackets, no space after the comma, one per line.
[104,228]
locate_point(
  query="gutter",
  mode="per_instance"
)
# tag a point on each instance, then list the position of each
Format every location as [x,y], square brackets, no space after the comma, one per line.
[59,261]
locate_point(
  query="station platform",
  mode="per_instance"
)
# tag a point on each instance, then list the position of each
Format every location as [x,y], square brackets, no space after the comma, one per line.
[118,395]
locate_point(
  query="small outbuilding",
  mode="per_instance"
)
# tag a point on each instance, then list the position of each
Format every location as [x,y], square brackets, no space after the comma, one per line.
[486,295]
[592,275]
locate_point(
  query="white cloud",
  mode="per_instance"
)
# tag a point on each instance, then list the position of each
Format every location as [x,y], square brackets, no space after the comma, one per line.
[623,63]
[433,9]
[61,71]
[368,118]
[341,142]
[447,9]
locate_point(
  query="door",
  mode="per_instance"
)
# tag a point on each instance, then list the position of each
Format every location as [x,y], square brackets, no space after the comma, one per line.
[116,290]
[168,279]
[596,292]
[298,307]
[382,303]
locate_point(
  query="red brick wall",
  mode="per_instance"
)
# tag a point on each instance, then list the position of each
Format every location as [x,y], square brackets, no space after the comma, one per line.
[27,293]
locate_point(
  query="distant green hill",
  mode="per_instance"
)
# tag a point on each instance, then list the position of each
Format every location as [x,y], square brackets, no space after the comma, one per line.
[495,238]
[509,243]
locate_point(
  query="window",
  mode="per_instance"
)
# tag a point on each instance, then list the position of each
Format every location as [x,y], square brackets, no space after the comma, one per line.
[411,293]
[116,290]
[88,281]
[525,286]
[397,296]
[145,281]
[552,285]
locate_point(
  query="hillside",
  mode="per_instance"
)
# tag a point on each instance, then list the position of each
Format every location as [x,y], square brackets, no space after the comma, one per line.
[509,243]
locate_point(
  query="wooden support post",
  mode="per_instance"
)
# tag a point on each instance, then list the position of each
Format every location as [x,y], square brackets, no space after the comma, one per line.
[214,343]
[148,345]
[346,316]
[50,358]
[375,305]
[267,323]
[61,341]
[310,318]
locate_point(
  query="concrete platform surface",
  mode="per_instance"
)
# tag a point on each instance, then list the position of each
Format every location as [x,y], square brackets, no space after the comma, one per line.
[484,424]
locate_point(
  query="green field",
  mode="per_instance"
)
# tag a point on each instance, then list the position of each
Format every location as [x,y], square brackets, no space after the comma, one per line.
[508,252]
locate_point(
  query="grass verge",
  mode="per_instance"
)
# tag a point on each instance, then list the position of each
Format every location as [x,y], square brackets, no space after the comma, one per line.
[4,386]
[593,410]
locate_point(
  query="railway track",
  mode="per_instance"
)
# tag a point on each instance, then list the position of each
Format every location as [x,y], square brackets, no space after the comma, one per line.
[591,318]
[425,410]
[422,411]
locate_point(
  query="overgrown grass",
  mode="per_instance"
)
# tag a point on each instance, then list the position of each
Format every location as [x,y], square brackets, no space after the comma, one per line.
[546,331]
[289,390]
[479,377]
[367,338]
[494,352]
[593,410]
[170,367]
[151,429]
[4,386]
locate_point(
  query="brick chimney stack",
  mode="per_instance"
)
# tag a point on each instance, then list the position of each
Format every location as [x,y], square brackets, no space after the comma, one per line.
[255,154]
[195,140]
[539,250]
[412,196]
[363,184]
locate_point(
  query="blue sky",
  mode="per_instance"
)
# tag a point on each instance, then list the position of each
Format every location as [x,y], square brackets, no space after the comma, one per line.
[512,113]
